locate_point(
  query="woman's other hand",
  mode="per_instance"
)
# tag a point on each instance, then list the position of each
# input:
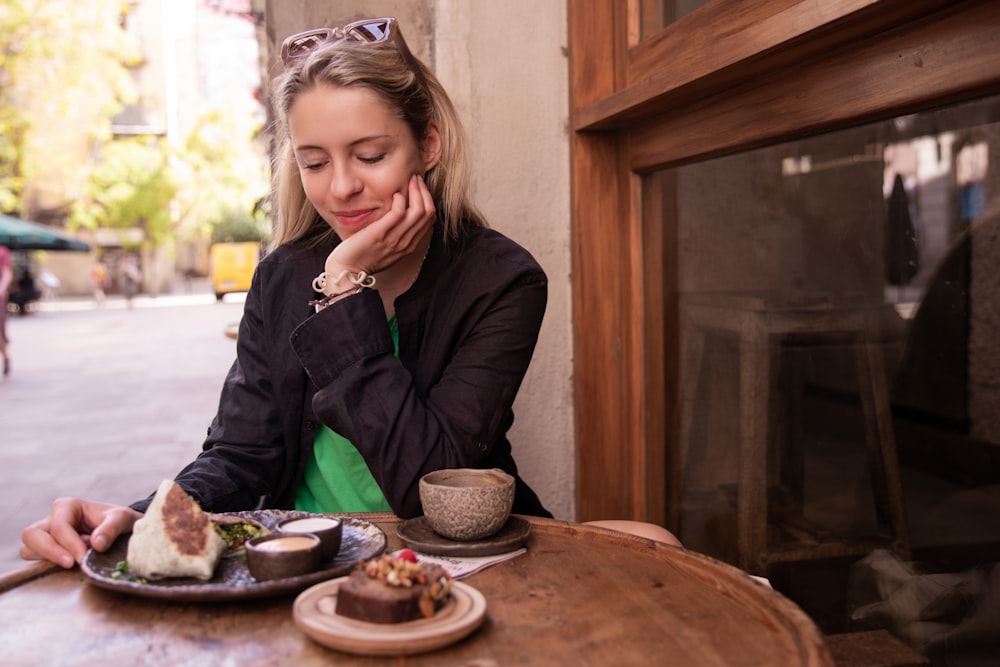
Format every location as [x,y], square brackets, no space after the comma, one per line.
[64,535]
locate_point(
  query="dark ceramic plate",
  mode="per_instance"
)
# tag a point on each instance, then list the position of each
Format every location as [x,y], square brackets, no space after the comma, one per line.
[232,581]
[418,535]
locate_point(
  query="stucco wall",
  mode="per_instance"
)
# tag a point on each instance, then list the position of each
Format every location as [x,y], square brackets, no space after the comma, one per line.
[508,78]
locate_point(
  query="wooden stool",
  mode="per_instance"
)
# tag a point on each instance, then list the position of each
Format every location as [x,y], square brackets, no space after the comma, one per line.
[761,323]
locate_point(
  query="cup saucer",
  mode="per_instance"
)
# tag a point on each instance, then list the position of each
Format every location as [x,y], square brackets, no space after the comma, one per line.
[418,535]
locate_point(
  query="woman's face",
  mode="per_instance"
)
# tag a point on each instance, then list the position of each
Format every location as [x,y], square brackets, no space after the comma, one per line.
[353,154]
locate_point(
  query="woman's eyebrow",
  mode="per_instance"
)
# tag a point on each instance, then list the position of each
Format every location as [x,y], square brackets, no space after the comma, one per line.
[365,140]
[356,142]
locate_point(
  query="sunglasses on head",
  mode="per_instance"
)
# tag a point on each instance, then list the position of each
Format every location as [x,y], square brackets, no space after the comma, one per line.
[366,31]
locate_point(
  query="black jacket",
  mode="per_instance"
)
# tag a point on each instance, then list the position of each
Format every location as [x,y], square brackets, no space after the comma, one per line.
[467,331]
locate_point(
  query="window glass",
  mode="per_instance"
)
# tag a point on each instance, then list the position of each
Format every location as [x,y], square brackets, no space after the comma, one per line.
[657,14]
[838,298]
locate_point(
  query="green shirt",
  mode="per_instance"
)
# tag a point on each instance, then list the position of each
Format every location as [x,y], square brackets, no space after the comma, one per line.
[337,479]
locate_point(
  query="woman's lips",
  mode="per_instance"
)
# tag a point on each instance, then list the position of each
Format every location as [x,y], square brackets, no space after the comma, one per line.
[354,218]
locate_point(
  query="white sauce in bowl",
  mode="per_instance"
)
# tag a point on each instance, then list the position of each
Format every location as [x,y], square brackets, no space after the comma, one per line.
[308,525]
[293,543]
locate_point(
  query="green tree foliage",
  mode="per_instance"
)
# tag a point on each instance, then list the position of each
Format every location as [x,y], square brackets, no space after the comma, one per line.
[132,185]
[222,170]
[214,179]
[62,78]
[238,226]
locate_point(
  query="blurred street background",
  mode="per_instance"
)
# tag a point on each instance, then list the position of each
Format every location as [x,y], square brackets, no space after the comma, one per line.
[103,402]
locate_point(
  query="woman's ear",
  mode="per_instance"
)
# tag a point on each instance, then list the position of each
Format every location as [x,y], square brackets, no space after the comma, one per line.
[431,146]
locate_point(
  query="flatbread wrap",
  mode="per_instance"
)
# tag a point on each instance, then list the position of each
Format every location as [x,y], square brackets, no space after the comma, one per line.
[175,538]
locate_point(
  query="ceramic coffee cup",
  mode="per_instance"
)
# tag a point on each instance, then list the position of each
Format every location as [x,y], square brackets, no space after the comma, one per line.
[467,503]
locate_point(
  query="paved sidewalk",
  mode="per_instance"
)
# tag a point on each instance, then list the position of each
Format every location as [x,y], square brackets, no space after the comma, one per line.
[103,403]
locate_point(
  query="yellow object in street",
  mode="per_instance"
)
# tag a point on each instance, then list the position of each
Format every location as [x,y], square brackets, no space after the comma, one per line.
[233,265]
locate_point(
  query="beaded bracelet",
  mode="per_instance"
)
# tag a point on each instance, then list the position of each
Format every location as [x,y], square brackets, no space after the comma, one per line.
[361,279]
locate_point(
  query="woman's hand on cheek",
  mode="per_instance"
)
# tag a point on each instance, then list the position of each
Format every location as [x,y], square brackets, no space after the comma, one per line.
[393,236]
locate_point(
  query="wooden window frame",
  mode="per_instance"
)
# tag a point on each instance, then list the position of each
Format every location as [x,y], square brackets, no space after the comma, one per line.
[731,76]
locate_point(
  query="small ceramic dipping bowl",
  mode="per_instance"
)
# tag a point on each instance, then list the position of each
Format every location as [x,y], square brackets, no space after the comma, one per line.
[327,529]
[280,555]
[466,503]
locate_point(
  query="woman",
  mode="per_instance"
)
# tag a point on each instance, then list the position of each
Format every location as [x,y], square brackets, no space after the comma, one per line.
[386,333]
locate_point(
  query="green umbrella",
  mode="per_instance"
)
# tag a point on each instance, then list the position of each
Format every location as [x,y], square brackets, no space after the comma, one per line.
[19,234]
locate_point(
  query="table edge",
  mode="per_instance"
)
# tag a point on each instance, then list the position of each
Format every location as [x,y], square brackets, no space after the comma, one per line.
[813,647]
[26,574]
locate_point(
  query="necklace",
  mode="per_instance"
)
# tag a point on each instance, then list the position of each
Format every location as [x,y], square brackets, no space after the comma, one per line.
[420,266]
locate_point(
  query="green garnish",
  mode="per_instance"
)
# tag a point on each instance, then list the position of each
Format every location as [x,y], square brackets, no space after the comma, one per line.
[121,571]
[236,534]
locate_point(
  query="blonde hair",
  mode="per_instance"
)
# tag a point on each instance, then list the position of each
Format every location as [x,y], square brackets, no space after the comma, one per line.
[418,99]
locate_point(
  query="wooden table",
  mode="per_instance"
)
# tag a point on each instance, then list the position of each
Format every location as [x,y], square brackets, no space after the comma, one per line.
[580,595]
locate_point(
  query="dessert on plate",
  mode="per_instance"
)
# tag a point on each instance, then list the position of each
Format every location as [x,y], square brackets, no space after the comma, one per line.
[393,589]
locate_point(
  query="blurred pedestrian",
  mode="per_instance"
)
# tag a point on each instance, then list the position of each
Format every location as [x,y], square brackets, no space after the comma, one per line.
[6,277]
[50,283]
[99,280]
[25,291]
[130,276]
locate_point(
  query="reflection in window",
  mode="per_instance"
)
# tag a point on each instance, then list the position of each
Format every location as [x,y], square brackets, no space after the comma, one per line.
[839,295]
[657,14]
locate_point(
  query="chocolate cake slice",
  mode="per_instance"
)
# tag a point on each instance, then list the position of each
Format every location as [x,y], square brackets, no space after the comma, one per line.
[392,590]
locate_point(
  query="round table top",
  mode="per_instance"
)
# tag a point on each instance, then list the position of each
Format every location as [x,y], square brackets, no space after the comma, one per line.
[580,594]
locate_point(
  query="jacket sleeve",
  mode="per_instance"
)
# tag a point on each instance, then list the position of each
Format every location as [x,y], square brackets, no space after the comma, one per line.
[243,454]
[473,366]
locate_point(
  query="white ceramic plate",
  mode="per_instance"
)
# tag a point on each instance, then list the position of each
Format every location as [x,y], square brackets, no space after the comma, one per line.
[315,614]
